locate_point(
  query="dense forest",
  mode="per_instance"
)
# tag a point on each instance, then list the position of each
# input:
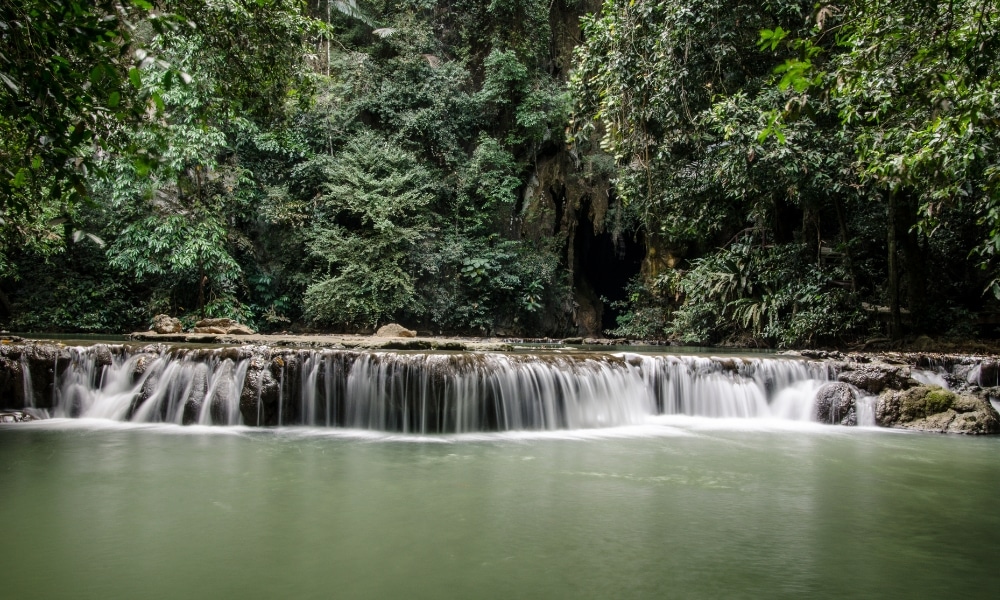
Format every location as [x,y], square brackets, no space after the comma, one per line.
[778,173]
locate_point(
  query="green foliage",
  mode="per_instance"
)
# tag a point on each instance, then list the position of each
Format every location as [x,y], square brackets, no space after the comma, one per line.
[648,308]
[75,291]
[366,225]
[62,91]
[774,294]
[356,162]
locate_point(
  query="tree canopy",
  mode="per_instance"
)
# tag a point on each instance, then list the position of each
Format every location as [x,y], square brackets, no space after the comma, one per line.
[712,171]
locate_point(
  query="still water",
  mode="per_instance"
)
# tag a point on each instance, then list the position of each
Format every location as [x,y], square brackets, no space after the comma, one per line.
[679,507]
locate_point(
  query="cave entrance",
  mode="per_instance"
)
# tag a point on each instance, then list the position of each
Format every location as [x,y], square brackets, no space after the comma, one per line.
[603,266]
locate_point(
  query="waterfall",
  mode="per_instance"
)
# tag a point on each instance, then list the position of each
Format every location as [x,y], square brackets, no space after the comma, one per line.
[427,393]
[147,388]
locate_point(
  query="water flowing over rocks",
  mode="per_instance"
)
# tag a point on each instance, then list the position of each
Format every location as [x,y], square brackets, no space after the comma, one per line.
[430,392]
[835,403]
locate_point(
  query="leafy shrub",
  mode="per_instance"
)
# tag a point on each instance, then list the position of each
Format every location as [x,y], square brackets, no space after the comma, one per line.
[772,293]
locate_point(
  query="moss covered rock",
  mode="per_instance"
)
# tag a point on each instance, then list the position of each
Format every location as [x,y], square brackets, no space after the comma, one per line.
[931,408]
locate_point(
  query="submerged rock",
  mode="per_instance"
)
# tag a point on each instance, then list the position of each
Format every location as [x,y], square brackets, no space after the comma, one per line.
[395,330]
[931,408]
[835,403]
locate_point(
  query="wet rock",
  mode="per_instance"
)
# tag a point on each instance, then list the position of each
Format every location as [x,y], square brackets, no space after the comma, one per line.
[239,329]
[931,408]
[167,324]
[572,341]
[394,330]
[988,374]
[408,345]
[835,403]
[11,382]
[874,378]
[259,398]
[142,363]
[103,355]
[15,416]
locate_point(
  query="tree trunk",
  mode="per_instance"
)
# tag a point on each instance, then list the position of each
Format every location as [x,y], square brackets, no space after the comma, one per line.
[895,318]
[914,264]
[201,293]
[844,235]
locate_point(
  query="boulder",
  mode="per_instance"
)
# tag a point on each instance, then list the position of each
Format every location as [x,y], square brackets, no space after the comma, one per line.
[835,403]
[931,408]
[214,330]
[394,330]
[221,323]
[874,378]
[167,324]
[222,327]
[259,397]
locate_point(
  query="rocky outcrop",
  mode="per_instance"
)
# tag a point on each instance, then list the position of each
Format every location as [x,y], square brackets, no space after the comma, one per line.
[931,408]
[30,367]
[835,403]
[395,330]
[222,327]
[874,378]
[167,324]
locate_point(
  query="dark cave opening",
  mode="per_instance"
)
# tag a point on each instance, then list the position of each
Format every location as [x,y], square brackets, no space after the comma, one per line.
[603,266]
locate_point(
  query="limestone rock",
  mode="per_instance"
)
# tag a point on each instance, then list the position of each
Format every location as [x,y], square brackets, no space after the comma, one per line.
[215,330]
[874,378]
[222,326]
[931,408]
[220,323]
[394,330]
[239,329]
[835,403]
[167,324]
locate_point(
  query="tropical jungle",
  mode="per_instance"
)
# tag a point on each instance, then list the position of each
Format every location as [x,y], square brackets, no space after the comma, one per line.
[780,173]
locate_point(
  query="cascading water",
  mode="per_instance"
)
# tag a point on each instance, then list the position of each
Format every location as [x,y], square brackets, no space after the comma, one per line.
[147,388]
[426,393]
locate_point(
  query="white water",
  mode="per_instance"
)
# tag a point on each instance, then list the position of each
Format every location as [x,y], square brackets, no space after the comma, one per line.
[166,384]
[436,393]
